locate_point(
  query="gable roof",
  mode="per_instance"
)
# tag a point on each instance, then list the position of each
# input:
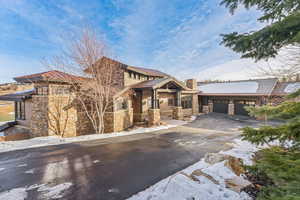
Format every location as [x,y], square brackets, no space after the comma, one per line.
[284,88]
[52,76]
[156,83]
[141,70]
[258,87]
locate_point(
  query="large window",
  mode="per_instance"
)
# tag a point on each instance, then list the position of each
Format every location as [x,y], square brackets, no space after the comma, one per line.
[20,110]
[186,102]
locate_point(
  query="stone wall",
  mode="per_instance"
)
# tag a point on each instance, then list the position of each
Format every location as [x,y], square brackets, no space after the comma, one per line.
[39,119]
[191,83]
[187,112]
[195,105]
[178,113]
[154,117]
[118,120]
[166,110]
[231,108]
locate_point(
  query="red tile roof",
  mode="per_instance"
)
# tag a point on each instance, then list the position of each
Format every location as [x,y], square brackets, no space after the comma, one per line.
[53,76]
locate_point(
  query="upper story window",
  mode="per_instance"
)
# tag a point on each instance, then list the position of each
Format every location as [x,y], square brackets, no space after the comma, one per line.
[42,90]
[130,75]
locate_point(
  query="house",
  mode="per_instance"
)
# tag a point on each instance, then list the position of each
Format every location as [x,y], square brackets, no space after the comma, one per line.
[142,95]
[231,97]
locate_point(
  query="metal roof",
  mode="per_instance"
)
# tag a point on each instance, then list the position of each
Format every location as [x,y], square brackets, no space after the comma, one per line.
[246,87]
[53,75]
[141,70]
[284,88]
[18,96]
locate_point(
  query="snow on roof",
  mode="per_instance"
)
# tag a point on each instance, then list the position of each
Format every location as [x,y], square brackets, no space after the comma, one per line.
[230,87]
[292,87]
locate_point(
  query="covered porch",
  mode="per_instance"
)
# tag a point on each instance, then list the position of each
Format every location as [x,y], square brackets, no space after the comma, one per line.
[159,99]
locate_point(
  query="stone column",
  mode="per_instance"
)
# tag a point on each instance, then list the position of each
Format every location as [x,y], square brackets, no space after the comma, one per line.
[210,106]
[154,100]
[178,98]
[154,117]
[205,109]
[177,113]
[231,108]
[195,104]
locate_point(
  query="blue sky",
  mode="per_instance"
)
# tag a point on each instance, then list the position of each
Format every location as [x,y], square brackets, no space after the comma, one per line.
[178,37]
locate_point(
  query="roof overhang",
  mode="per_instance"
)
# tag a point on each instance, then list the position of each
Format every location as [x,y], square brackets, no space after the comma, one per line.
[231,94]
[19,96]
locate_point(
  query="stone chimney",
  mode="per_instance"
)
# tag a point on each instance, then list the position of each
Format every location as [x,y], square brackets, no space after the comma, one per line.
[191,83]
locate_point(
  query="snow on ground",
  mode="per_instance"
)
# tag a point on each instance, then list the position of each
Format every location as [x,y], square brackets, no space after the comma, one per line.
[47,192]
[31,171]
[54,192]
[55,140]
[180,185]
[14,194]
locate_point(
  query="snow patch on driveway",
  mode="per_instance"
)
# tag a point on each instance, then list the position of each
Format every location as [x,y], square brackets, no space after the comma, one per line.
[31,171]
[55,192]
[181,186]
[48,192]
[14,194]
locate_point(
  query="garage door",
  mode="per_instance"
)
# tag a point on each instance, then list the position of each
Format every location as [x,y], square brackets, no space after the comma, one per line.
[239,107]
[220,106]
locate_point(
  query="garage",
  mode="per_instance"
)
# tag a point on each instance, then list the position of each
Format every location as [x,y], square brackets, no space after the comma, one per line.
[220,105]
[239,107]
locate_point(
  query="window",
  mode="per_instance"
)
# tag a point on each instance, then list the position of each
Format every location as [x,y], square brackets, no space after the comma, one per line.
[20,110]
[130,75]
[170,102]
[121,104]
[42,90]
[134,75]
[186,102]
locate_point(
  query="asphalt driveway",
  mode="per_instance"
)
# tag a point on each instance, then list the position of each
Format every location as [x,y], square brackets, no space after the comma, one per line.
[116,168]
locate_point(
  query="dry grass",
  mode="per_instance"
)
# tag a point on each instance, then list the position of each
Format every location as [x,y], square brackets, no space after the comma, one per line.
[6,110]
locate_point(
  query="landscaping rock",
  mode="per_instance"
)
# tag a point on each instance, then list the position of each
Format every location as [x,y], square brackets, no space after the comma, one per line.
[235,164]
[213,158]
[237,184]
[199,172]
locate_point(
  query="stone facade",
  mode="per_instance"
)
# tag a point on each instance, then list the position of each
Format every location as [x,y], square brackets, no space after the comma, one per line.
[39,121]
[210,106]
[191,83]
[154,117]
[195,104]
[231,108]
[178,113]
[118,120]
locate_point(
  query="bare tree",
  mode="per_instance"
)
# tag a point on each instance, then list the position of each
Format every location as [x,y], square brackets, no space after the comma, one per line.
[58,116]
[286,65]
[82,56]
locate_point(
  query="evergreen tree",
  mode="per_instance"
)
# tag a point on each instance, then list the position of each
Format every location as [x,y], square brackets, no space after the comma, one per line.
[279,166]
[262,44]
